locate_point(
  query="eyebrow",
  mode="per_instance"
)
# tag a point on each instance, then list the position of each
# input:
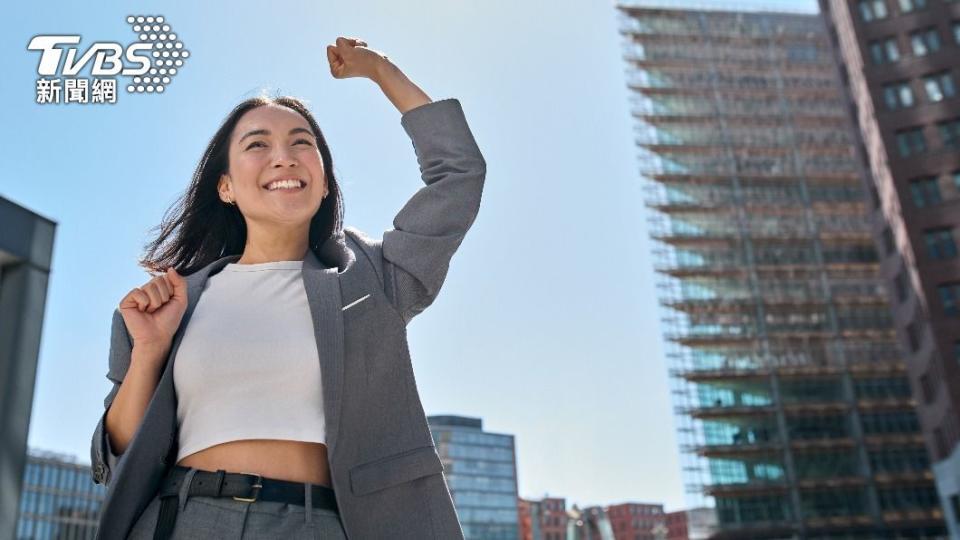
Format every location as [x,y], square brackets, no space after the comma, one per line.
[267,132]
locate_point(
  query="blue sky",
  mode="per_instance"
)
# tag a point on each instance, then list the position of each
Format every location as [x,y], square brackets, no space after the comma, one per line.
[547,326]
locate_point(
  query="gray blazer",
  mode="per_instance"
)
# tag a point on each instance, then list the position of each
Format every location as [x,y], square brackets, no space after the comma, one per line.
[386,472]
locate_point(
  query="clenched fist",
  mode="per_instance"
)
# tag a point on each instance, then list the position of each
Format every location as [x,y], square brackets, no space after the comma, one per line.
[351,57]
[153,311]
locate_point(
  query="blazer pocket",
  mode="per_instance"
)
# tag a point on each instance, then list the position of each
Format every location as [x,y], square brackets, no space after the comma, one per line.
[394,470]
[359,305]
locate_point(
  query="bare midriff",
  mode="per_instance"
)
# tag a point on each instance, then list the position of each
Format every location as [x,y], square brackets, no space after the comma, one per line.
[295,461]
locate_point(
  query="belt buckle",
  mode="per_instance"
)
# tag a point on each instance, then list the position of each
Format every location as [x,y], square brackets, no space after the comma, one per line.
[257,485]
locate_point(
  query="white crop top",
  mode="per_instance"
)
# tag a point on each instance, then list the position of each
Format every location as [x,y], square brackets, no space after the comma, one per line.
[248,365]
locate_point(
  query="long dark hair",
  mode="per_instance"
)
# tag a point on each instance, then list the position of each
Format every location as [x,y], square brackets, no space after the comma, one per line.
[203,228]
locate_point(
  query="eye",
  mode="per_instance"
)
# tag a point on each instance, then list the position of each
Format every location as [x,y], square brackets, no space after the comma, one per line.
[251,145]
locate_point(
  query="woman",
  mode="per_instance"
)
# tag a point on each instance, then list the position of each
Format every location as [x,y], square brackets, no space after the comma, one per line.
[291,409]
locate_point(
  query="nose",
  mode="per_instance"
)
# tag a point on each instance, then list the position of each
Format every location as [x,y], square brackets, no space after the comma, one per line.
[283,156]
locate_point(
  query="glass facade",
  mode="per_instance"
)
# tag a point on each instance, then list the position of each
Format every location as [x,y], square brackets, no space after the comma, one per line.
[59,500]
[481,473]
[795,413]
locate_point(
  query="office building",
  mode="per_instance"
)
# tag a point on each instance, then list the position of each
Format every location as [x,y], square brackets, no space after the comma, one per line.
[481,472]
[900,61]
[59,500]
[794,405]
[26,249]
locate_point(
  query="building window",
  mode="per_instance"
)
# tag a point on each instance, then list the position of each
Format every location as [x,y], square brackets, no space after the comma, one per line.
[906,6]
[940,243]
[925,42]
[950,133]
[949,298]
[911,141]
[956,32]
[884,50]
[956,351]
[873,9]
[898,95]
[801,52]
[939,86]
[925,191]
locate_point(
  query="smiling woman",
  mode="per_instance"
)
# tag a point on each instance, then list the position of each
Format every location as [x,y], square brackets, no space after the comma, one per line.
[268,367]
[257,161]
[262,191]
[262,140]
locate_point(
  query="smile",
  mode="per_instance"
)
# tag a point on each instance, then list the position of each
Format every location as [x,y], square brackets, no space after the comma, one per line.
[288,185]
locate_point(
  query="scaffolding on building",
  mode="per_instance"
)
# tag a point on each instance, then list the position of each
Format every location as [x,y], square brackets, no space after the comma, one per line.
[794,409]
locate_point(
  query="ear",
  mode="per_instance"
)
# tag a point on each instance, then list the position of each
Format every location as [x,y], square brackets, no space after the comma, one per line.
[225,188]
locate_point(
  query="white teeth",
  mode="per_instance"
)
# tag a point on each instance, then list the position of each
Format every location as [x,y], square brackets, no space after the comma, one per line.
[280,184]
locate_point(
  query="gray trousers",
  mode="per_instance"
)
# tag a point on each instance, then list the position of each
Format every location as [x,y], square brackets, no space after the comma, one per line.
[214,518]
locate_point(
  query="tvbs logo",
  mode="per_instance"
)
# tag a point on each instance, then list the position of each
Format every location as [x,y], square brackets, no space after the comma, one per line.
[152,62]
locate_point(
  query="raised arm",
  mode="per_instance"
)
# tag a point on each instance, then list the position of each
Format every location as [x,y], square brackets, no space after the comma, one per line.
[415,255]
[432,224]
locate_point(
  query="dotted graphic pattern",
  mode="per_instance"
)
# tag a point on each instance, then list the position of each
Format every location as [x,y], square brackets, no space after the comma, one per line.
[168,53]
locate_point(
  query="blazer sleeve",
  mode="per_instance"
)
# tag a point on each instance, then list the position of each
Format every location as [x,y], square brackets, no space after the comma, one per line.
[415,254]
[102,458]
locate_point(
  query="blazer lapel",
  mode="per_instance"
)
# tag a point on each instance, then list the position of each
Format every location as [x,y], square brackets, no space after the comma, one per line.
[323,295]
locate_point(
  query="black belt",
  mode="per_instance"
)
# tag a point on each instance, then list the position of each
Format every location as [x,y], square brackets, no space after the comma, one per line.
[247,487]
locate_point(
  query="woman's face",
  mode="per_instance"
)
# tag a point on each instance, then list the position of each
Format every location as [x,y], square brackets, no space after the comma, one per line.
[268,143]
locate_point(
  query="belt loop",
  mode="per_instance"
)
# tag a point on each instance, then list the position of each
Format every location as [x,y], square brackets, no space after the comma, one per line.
[220,473]
[185,488]
[308,502]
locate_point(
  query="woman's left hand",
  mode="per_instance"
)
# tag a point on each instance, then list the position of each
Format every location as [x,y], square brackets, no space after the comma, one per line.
[351,57]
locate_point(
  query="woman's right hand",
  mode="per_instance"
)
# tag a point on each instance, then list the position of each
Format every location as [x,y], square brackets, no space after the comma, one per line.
[153,311]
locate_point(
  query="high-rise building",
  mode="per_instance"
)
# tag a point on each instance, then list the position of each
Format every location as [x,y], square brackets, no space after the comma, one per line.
[901,66]
[795,411]
[59,499]
[481,472]
[26,248]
